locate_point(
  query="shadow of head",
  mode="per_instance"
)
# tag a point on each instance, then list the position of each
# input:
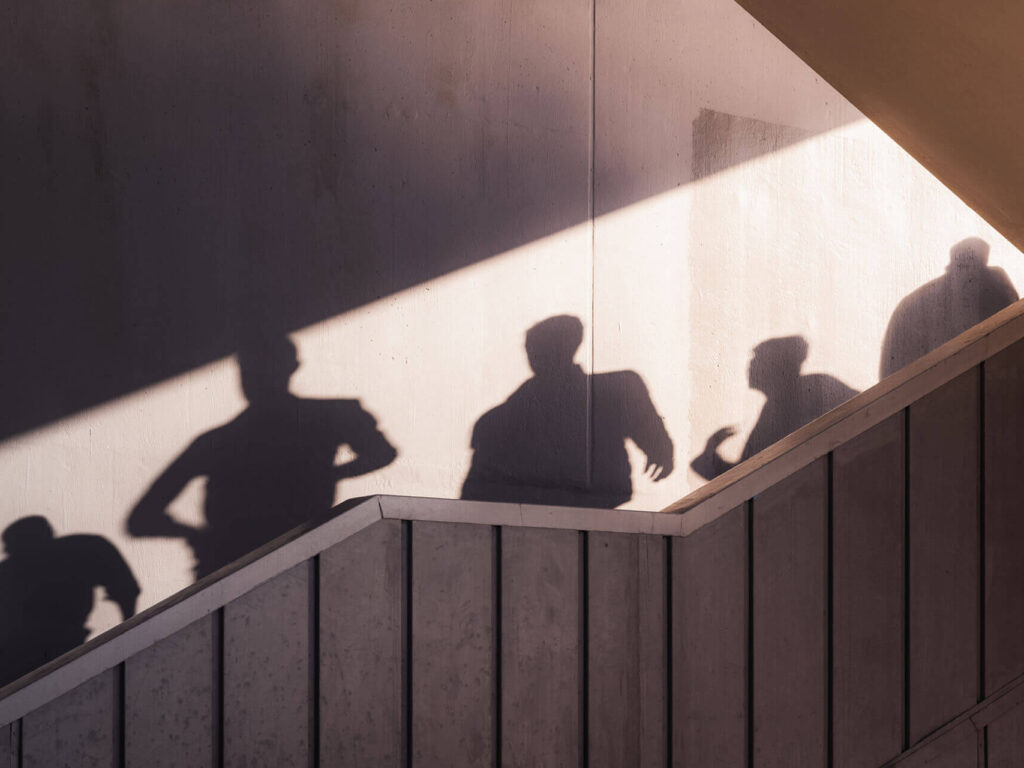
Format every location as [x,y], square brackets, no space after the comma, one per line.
[776,360]
[552,343]
[266,366]
[968,256]
[27,536]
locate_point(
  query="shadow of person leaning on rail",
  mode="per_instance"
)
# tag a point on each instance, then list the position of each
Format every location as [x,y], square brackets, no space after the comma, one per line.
[560,438]
[46,592]
[269,469]
[793,399]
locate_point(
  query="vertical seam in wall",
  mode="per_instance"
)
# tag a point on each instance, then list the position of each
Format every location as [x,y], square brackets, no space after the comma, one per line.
[218,688]
[591,203]
[669,732]
[906,578]
[750,633]
[314,661]
[981,531]
[584,631]
[830,613]
[18,730]
[407,643]
[119,704]
[591,216]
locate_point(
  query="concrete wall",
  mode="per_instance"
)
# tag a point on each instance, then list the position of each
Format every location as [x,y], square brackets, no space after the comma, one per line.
[406,188]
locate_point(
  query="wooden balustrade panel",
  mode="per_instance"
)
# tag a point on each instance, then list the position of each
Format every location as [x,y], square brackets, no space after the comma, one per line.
[267,671]
[710,640]
[944,554]
[541,646]
[868,596]
[627,651]
[453,645]
[76,730]
[1005,737]
[170,700]
[1004,516]
[361,649]
[790,613]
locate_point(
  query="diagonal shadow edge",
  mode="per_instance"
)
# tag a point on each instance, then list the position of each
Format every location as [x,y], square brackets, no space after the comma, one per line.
[54,371]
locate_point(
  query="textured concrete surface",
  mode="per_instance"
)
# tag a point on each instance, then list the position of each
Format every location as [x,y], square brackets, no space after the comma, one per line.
[541,645]
[267,674]
[406,189]
[790,621]
[868,566]
[171,713]
[362,648]
[454,680]
[710,640]
[77,730]
[944,531]
[627,685]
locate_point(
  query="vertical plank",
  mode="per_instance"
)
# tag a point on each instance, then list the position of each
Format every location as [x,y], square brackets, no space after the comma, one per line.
[267,674]
[627,653]
[169,701]
[361,649]
[1006,740]
[868,596]
[944,554]
[77,730]
[790,642]
[9,736]
[1004,523]
[541,648]
[453,645]
[710,644]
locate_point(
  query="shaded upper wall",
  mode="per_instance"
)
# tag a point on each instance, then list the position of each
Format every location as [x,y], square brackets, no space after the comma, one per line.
[941,77]
[175,174]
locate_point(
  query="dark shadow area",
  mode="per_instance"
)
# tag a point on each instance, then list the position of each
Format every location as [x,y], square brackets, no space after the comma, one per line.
[268,470]
[561,437]
[722,141]
[46,592]
[161,189]
[969,292]
[793,399]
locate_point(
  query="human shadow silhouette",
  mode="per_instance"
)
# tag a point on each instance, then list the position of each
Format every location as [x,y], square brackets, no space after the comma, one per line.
[560,438]
[969,292]
[794,399]
[269,469]
[46,592]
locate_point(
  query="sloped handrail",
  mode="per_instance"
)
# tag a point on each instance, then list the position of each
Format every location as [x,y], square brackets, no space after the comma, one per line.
[854,417]
[234,580]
